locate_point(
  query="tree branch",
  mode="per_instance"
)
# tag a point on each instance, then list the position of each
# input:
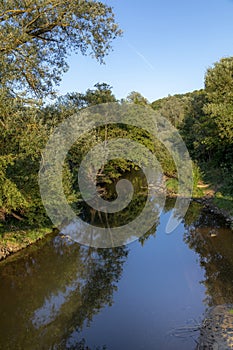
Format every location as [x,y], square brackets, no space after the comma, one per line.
[12,13]
[17,216]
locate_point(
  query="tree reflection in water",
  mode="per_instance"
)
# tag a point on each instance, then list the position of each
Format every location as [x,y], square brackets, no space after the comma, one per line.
[213,241]
[57,286]
[50,292]
[210,237]
[61,287]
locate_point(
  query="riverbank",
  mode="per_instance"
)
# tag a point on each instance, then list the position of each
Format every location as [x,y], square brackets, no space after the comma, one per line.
[216,202]
[207,195]
[14,241]
[211,204]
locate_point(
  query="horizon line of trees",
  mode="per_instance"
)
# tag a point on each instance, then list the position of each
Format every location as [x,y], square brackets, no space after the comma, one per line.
[28,129]
[35,41]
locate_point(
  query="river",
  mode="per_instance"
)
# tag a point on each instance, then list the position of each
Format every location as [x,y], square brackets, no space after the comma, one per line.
[151,294]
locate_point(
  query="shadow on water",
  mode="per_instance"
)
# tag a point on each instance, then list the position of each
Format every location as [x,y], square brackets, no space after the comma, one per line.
[60,295]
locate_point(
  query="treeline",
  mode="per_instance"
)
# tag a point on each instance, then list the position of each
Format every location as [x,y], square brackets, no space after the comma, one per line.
[205,121]
[202,117]
[35,42]
[25,132]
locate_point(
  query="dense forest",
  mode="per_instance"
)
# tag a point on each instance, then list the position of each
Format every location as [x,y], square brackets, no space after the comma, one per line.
[35,42]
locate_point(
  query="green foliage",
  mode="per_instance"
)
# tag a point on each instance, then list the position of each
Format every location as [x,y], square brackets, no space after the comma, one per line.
[69,104]
[22,238]
[173,108]
[197,178]
[21,139]
[36,38]
[206,125]
[137,98]
[156,105]
[196,128]
[219,89]
[101,94]
[224,202]
[172,186]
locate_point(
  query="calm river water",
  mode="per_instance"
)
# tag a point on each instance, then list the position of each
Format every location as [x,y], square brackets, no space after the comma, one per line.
[152,294]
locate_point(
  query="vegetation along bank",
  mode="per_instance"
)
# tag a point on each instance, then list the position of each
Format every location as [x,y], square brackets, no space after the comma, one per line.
[204,117]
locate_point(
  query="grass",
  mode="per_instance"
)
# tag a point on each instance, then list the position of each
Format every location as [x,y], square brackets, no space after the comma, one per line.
[13,241]
[24,236]
[209,182]
[172,184]
[221,182]
[224,202]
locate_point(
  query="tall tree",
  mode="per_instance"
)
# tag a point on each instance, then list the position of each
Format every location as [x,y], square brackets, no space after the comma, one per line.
[37,36]
[219,89]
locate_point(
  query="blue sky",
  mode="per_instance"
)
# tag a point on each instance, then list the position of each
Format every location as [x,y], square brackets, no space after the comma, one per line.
[165,49]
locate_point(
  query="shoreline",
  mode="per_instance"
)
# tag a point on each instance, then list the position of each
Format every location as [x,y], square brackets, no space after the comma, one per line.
[208,202]
[14,241]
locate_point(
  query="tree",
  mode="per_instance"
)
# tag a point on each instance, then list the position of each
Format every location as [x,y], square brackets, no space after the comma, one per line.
[219,89]
[137,98]
[219,108]
[37,36]
[101,94]
[196,127]
[173,108]
[22,137]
